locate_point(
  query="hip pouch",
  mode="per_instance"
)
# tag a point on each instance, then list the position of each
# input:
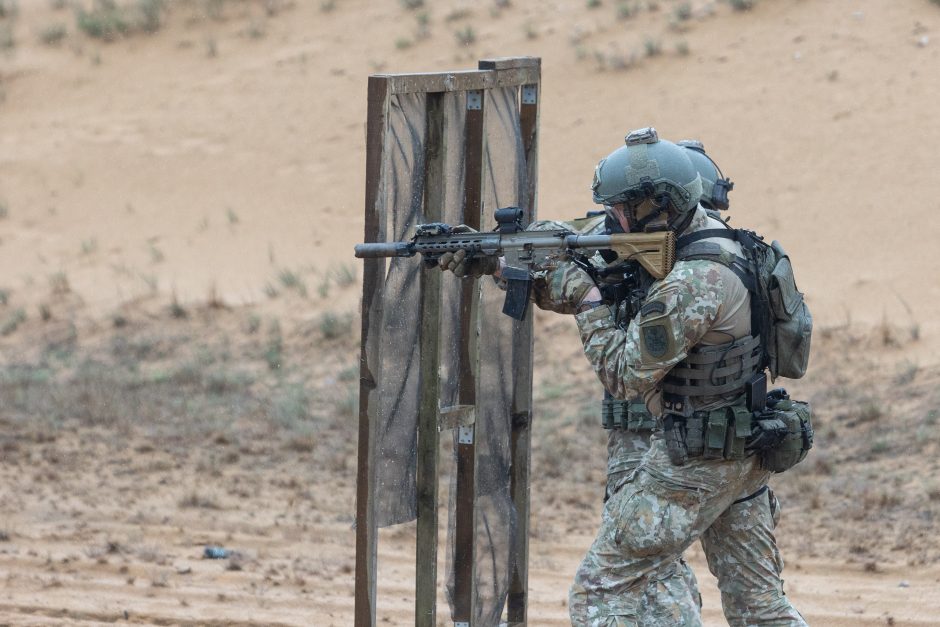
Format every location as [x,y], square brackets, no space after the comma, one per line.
[782,434]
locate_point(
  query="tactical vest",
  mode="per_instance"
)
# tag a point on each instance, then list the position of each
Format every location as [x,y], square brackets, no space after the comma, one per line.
[781,325]
[780,432]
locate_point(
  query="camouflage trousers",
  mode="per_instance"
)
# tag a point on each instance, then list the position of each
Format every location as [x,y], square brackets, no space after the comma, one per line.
[634,574]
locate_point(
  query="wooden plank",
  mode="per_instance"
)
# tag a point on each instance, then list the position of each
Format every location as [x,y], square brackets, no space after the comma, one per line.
[510,63]
[521,437]
[373,279]
[430,350]
[463,80]
[465,507]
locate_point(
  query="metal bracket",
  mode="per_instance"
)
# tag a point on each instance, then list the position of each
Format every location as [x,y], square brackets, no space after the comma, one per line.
[529,94]
[474,100]
[456,416]
[465,435]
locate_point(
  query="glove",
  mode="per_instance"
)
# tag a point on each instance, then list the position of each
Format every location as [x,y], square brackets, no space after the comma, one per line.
[563,288]
[464,265]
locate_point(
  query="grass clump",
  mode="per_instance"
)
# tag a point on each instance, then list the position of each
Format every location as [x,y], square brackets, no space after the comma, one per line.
[107,20]
[412,5]
[6,37]
[293,281]
[652,47]
[683,12]
[333,326]
[9,8]
[12,321]
[466,36]
[53,34]
[742,5]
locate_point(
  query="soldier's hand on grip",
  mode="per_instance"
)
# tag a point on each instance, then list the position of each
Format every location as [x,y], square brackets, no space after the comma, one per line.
[563,288]
[463,265]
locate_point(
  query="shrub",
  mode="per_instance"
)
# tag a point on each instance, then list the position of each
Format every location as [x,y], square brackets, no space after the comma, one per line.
[53,34]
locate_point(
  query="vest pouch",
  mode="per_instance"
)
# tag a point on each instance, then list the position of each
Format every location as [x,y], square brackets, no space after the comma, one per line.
[738,434]
[716,432]
[793,447]
[793,323]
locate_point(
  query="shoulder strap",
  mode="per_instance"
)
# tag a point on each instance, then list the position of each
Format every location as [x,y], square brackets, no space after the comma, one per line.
[691,238]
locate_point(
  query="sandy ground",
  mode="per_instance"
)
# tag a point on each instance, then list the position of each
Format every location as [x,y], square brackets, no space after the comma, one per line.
[201,188]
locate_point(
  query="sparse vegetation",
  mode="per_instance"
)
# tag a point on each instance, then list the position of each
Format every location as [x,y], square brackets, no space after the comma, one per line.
[652,47]
[742,5]
[12,321]
[593,4]
[403,43]
[4,210]
[9,8]
[626,10]
[682,48]
[412,5]
[683,12]
[333,326]
[107,20]
[6,36]
[345,274]
[59,283]
[293,281]
[465,36]
[53,34]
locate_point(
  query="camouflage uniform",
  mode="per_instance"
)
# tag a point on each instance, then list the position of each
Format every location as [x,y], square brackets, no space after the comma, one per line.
[633,573]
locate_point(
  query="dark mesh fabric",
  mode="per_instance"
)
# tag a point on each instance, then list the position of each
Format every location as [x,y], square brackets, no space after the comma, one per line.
[504,185]
[401,203]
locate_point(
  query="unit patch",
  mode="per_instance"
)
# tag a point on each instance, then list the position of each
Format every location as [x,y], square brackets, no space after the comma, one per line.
[655,340]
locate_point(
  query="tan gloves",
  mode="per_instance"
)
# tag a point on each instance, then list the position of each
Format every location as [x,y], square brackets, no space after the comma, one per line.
[463,266]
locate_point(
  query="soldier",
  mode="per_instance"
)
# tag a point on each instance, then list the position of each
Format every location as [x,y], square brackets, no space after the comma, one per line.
[684,489]
[634,573]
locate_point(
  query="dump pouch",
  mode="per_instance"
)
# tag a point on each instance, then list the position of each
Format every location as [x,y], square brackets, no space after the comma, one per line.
[796,440]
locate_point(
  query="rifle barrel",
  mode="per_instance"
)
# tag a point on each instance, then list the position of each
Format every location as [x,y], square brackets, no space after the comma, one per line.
[384,249]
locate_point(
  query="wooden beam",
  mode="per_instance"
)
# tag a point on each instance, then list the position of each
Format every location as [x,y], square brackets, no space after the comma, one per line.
[521,436]
[459,81]
[430,350]
[510,63]
[465,507]
[373,280]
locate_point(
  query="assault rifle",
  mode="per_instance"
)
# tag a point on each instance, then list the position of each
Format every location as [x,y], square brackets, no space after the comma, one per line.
[527,251]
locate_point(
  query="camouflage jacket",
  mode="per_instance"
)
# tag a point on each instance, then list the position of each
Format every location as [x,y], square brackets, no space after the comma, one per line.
[699,302]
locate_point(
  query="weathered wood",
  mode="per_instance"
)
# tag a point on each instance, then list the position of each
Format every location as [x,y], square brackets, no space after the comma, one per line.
[521,436]
[460,81]
[465,506]
[430,355]
[510,63]
[373,279]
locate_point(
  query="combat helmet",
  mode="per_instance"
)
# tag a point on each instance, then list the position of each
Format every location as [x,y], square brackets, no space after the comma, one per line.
[715,186]
[648,168]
